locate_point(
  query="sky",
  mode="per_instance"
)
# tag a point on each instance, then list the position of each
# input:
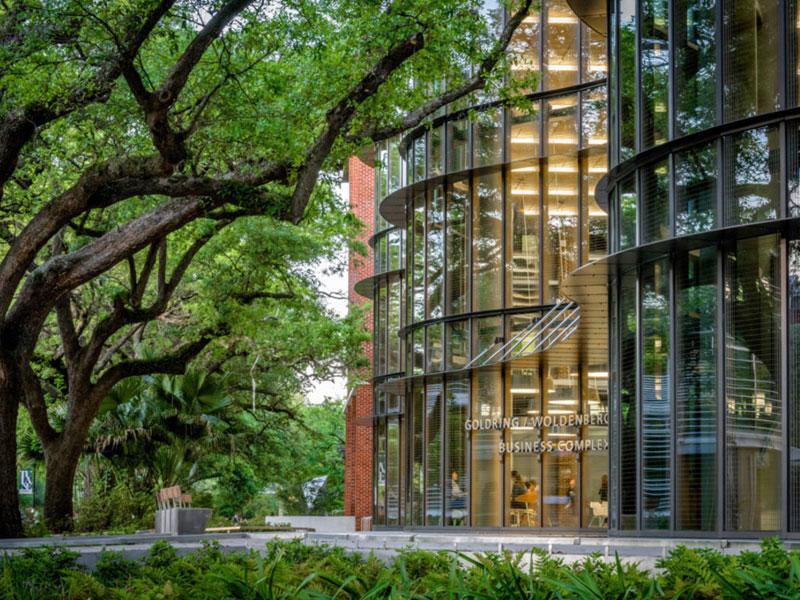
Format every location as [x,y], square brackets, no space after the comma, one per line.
[337,285]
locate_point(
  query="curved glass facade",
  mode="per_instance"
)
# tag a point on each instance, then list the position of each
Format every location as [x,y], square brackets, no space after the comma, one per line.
[704,267]
[491,401]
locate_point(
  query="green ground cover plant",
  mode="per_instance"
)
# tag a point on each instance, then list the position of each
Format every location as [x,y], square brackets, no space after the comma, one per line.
[292,570]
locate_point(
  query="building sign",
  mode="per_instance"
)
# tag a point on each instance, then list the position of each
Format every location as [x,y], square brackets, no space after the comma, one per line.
[599,419]
[26,482]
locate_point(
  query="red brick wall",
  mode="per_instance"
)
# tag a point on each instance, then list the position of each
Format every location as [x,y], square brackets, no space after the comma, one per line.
[358,416]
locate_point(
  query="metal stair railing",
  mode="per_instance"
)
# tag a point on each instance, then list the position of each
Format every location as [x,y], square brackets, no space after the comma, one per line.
[555,326]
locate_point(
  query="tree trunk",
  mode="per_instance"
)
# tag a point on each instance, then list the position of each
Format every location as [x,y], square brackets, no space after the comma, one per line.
[61,459]
[10,519]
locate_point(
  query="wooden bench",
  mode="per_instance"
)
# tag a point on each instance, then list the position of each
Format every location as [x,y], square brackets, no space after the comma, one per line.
[171,497]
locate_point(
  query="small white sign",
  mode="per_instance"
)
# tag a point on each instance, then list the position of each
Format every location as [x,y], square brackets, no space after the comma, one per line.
[26,482]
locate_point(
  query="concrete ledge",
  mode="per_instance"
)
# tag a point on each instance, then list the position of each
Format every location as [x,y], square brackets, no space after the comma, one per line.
[315,523]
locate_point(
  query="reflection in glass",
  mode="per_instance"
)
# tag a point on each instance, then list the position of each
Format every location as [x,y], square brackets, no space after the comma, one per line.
[379,494]
[419,158]
[751,46]
[628,416]
[418,265]
[696,393]
[524,52]
[393,324]
[524,139]
[696,189]
[753,176]
[752,397]
[380,329]
[594,118]
[395,168]
[487,241]
[627,213]
[794,385]
[487,130]
[561,45]
[485,335]
[457,344]
[523,477]
[433,454]
[436,164]
[594,243]
[435,253]
[418,351]
[393,457]
[694,25]
[654,55]
[594,463]
[562,125]
[656,431]
[626,45]
[457,247]
[457,482]
[416,512]
[457,145]
[561,218]
[487,393]
[655,202]
[433,350]
[522,220]
[595,65]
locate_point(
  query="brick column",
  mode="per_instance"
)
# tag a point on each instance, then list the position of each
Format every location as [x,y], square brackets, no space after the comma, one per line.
[358,415]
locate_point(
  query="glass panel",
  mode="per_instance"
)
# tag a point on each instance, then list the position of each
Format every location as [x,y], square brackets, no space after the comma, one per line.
[433,352]
[752,397]
[628,409]
[595,219]
[435,253]
[487,395]
[561,45]
[457,247]
[562,125]
[457,145]
[457,344]
[457,487]
[417,446]
[523,494]
[794,385]
[418,271]
[487,242]
[656,410]
[393,472]
[695,70]
[485,334]
[654,71]
[433,454]
[419,158]
[595,65]
[524,138]
[524,52]
[594,484]
[380,329]
[753,177]
[488,135]
[627,213]
[793,168]
[696,189]
[696,393]
[627,89]
[655,202]
[380,474]
[594,118]
[395,168]
[561,219]
[381,171]
[436,165]
[395,290]
[522,262]
[418,351]
[751,47]
[395,252]
[560,495]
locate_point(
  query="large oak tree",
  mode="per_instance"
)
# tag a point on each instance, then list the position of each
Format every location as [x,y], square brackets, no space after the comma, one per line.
[134,132]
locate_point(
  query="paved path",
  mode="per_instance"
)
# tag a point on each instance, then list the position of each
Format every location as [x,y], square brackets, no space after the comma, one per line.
[385,544]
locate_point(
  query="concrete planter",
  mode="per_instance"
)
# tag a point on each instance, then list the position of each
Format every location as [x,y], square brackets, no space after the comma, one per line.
[181,521]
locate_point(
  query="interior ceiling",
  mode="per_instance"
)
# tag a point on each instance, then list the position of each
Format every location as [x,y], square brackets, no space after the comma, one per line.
[591,12]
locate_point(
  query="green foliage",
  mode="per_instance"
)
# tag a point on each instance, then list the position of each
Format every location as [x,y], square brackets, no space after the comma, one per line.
[237,486]
[117,508]
[292,570]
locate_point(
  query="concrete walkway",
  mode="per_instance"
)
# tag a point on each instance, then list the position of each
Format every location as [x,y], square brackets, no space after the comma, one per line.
[385,544]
